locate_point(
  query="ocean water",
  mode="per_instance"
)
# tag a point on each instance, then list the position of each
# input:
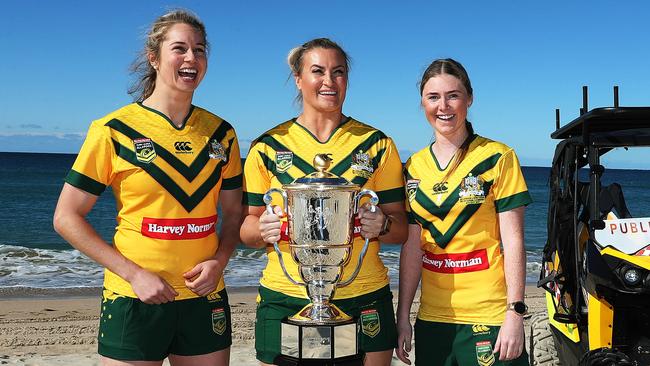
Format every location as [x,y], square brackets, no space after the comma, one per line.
[33,255]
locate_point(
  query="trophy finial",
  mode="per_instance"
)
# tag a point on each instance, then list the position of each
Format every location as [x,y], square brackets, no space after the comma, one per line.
[322,162]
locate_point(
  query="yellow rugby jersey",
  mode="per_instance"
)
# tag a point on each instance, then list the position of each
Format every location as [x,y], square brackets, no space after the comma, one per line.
[360,153]
[166,181]
[462,266]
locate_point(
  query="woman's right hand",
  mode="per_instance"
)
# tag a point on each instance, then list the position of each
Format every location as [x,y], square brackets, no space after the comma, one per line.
[151,289]
[270,225]
[404,337]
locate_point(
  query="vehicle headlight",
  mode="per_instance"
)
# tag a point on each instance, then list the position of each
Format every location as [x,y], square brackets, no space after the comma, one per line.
[631,275]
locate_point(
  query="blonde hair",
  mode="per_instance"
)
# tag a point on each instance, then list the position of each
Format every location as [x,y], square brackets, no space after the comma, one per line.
[145,82]
[294,59]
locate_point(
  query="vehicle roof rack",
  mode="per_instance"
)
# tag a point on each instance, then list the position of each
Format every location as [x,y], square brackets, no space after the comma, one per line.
[607,126]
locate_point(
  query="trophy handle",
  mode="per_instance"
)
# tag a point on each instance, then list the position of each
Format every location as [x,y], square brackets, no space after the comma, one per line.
[374,201]
[268,198]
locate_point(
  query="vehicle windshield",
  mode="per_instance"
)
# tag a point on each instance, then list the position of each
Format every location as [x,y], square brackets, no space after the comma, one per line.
[630,168]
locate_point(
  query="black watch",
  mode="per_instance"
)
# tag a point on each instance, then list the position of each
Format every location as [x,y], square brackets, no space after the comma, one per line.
[519,307]
[386,229]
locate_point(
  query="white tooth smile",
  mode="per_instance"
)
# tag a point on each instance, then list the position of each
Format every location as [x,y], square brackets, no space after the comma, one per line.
[327,93]
[445,117]
[188,71]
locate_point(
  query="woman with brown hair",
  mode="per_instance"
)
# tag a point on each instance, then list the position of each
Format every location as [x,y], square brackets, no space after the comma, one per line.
[169,164]
[466,197]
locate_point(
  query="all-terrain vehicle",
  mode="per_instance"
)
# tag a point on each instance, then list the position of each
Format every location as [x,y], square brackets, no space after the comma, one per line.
[596,261]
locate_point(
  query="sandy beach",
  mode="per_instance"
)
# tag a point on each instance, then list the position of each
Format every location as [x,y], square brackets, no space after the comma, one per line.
[60,327]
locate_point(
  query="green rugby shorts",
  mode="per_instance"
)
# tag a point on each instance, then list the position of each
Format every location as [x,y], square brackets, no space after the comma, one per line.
[447,344]
[374,312]
[131,330]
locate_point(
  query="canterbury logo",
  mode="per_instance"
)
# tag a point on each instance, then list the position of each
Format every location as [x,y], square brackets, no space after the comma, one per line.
[183,146]
[440,187]
[479,328]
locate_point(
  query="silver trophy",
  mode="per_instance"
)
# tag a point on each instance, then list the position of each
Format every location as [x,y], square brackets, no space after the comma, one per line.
[320,209]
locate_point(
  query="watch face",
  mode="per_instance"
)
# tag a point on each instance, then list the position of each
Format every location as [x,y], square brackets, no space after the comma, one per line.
[520,308]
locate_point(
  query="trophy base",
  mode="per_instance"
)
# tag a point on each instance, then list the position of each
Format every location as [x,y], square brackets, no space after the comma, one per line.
[319,344]
[320,315]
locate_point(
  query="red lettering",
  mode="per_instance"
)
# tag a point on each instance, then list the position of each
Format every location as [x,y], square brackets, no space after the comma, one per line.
[642,228]
[624,225]
[633,227]
[612,227]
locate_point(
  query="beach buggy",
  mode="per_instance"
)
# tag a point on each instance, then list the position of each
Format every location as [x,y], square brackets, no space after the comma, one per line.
[596,261]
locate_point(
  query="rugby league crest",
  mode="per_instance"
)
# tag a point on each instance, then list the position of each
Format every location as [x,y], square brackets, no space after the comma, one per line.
[144,150]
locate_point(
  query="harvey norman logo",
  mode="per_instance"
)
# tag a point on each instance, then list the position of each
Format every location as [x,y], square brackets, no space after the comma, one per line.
[178,229]
[456,262]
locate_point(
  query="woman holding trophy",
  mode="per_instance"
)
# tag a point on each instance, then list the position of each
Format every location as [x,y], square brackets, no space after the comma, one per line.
[359,153]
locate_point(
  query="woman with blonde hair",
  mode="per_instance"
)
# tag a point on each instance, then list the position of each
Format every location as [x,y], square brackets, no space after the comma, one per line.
[169,163]
[362,155]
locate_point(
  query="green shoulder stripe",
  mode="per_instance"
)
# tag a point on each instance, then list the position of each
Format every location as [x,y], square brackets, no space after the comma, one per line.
[187,201]
[253,199]
[391,195]
[298,162]
[232,183]
[189,172]
[514,201]
[84,182]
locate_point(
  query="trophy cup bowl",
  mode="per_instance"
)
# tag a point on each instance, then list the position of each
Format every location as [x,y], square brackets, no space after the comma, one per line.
[320,209]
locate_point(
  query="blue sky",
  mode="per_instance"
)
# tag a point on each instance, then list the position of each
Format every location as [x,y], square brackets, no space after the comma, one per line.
[66,63]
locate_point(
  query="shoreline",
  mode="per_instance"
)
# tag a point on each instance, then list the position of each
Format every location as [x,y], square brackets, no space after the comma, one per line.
[59,327]
[28,293]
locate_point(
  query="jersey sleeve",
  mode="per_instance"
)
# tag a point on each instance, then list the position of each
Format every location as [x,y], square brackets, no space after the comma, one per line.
[510,189]
[93,169]
[410,189]
[389,181]
[232,173]
[256,177]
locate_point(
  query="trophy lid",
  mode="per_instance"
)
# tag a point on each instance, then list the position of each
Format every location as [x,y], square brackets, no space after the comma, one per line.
[321,176]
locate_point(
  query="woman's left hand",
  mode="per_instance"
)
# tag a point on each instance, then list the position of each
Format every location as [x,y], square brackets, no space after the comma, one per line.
[204,277]
[510,341]
[371,222]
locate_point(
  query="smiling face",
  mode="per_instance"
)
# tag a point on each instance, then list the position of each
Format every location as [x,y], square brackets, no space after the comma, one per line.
[445,101]
[323,80]
[182,60]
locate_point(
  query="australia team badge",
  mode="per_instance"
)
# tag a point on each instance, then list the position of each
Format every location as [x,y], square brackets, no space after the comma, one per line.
[216,151]
[145,151]
[361,165]
[219,321]
[471,190]
[283,161]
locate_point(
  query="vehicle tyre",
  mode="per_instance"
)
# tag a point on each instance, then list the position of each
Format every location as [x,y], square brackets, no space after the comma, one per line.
[542,345]
[605,357]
